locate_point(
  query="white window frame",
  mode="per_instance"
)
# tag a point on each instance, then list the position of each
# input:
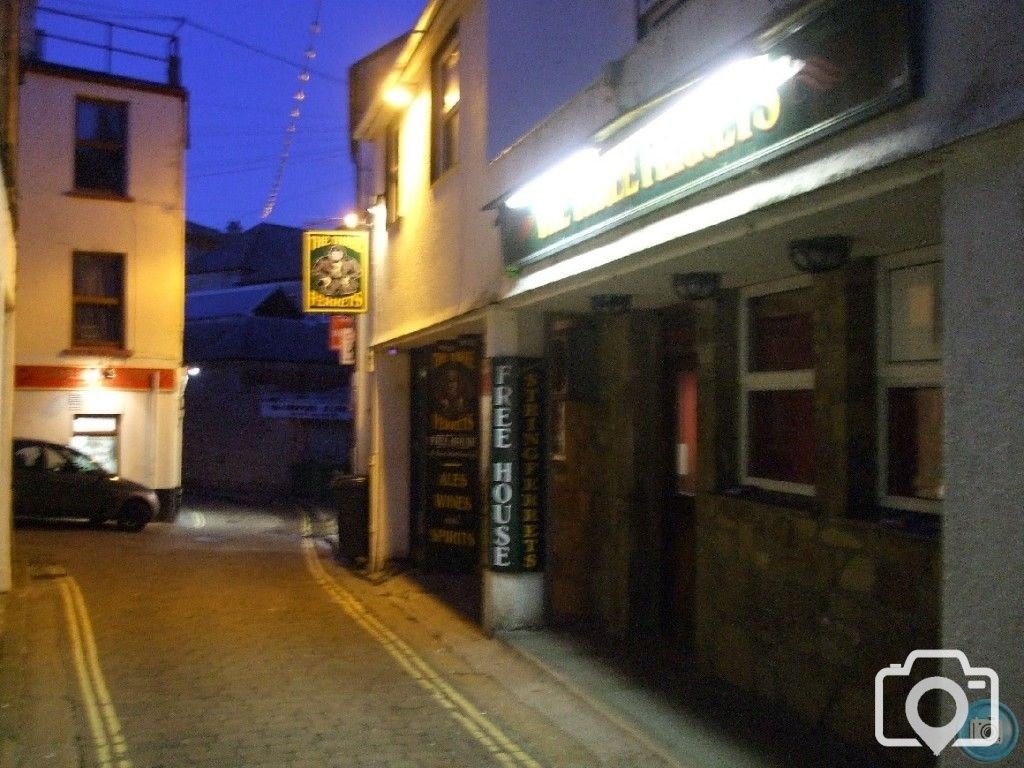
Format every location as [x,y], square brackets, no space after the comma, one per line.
[895,375]
[766,381]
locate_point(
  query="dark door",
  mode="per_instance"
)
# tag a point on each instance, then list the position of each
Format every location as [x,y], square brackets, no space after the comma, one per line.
[679,550]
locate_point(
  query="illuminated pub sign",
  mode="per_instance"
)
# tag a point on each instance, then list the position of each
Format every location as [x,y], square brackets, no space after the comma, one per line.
[812,75]
[515,501]
[336,271]
[452,518]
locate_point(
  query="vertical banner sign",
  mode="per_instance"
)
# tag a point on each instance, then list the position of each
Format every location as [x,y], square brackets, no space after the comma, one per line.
[516,497]
[336,271]
[452,481]
[342,338]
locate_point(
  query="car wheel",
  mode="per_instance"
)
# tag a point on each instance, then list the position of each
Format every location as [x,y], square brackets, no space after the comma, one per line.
[133,516]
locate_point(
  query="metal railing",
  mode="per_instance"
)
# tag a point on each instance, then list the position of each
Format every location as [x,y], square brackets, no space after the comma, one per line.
[71,39]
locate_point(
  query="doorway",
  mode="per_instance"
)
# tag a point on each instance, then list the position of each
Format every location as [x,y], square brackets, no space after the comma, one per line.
[678,555]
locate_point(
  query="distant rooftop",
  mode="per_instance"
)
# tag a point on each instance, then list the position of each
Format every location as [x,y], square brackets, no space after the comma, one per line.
[74,41]
[273,300]
[262,254]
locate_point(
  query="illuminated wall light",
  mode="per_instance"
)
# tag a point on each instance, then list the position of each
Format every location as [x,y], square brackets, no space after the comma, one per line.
[194,371]
[351,220]
[92,376]
[397,96]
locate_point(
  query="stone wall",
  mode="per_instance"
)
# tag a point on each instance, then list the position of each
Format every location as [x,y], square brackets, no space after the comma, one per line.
[802,600]
[805,611]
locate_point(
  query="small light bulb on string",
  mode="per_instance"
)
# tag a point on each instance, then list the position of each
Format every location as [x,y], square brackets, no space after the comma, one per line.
[292,127]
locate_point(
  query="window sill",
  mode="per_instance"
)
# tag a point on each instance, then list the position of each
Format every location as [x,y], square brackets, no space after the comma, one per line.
[97,352]
[771,498]
[96,194]
[926,525]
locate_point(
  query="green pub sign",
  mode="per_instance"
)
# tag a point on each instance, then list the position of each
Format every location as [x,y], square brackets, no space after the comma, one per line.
[831,65]
[517,488]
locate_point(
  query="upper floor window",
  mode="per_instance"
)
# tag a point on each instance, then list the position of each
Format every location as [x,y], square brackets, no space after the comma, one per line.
[777,383]
[391,168]
[650,12]
[101,146]
[98,300]
[911,381]
[446,94]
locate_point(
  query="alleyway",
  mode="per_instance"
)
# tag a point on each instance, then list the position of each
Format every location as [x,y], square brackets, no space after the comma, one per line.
[232,640]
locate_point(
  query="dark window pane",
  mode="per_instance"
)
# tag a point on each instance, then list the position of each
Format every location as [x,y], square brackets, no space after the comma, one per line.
[915,442]
[98,324]
[781,435]
[100,151]
[100,169]
[781,332]
[98,275]
[445,97]
[99,121]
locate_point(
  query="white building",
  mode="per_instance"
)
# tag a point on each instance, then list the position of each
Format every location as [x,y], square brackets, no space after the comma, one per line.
[794,471]
[101,279]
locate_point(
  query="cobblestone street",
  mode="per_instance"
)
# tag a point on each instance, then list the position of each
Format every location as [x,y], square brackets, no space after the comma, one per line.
[230,639]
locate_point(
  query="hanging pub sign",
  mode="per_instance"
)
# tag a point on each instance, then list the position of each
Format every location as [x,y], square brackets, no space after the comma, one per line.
[452,466]
[516,494]
[816,73]
[336,271]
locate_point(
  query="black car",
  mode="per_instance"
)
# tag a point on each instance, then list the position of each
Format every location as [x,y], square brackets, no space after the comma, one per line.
[53,480]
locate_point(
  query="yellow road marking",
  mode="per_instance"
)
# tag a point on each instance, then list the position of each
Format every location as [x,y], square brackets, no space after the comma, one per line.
[490,736]
[103,721]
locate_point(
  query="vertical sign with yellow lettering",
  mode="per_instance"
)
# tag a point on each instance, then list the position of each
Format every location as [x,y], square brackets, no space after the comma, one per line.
[452,465]
[516,485]
[336,271]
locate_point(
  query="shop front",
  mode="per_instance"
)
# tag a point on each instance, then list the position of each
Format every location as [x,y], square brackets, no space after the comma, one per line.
[745,388]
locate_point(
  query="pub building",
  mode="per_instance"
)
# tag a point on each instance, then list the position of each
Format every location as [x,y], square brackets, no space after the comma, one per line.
[760,272]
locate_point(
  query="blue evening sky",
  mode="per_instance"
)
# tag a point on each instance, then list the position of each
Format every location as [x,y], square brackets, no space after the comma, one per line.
[241,98]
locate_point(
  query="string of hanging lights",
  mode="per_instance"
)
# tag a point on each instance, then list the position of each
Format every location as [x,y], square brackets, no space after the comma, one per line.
[293,115]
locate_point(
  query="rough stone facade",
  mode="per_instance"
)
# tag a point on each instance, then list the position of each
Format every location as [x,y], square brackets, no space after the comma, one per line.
[799,601]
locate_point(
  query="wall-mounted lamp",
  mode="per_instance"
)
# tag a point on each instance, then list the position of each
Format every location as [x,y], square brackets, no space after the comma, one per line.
[611,303]
[351,220]
[691,286]
[820,254]
[397,96]
[193,371]
[108,373]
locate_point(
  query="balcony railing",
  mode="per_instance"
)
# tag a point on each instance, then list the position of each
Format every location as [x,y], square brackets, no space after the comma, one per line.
[70,39]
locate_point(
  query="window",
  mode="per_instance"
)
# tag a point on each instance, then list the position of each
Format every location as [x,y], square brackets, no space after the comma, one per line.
[391,160]
[910,385]
[98,300]
[686,432]
[101,140]
[97,438]
[446,94]
[777,383]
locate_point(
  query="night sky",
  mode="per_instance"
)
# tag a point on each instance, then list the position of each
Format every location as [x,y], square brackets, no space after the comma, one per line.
[242,93]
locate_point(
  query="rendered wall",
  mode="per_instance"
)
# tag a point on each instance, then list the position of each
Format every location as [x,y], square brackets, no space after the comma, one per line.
[7,264]
[147,227]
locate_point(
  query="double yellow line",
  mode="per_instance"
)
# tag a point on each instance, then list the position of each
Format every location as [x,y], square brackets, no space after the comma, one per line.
[490,736]
[111,750]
